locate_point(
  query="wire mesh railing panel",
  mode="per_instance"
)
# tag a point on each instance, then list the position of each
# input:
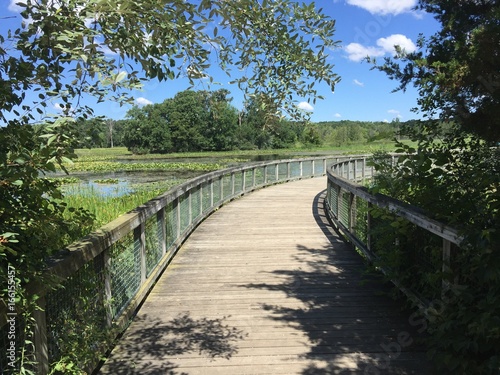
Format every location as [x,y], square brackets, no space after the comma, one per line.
[248,179]
[195,203]
[283,171]
[76,315]
[319,168]
[333,200]
[238,182]
[171,223]
[344,209]
[259,176]
[154,241]
[227,187]
[184,212]
[271,175]
[217,191]
[360,228]
[125,272]
[295,169]
[206,197]
[307,168]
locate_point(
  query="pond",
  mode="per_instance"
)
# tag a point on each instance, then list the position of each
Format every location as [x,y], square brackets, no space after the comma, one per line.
[119,183]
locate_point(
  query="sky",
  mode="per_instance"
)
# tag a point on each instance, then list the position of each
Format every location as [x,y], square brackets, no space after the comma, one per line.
[363,27]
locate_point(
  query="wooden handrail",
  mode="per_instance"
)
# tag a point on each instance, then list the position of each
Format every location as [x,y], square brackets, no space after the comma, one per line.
[343,177]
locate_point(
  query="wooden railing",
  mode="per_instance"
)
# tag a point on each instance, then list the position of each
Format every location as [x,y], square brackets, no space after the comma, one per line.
[106,275]
[350,206]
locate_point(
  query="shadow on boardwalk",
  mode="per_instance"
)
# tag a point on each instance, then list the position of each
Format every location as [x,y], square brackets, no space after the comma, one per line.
[348,316]
[211,338]
[259,289]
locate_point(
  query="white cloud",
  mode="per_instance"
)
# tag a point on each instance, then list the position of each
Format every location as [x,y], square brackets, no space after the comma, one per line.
[387,44]
[384,7]
[142,101]
[357,52]
[13,7]
[395,112]
[338,115]
[358,83]
[305,106]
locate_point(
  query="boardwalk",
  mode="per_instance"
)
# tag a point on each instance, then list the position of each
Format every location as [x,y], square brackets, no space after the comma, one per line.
[263,286]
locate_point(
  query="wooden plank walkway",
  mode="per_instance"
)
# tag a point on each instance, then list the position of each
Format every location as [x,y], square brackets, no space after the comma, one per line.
[263,286]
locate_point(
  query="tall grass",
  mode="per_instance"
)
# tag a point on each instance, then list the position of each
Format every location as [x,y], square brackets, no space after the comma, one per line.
[105,207]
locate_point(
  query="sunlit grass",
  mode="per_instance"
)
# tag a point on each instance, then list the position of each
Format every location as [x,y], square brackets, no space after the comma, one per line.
[106,207]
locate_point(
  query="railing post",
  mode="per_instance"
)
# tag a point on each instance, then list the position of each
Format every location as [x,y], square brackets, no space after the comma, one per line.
[369,227]
[160,220]
[324,166]
[140,240]
[201,199]
[300,169]
[339,203]
[355,170]
[265,175]
[313,172]
[211,193]
[190,208]
[253,177]
[288,170]
[40,338]
[108,294]
[232,184]
[277,172]
[178,211]
[244,178]
[352,212]
[221,188]
[363,172]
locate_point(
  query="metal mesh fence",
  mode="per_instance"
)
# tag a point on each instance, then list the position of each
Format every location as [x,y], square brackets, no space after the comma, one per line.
[295,169]
[259,176]
[249,175]
[196,208]
[283,171]
[344,209]
[125,272]
[154,241]
[318,168]
[184,212]
[76,314]
[403,244]
[206,197]
[227,186]
[307,168]
[238,183]
[217,191]
[171,223]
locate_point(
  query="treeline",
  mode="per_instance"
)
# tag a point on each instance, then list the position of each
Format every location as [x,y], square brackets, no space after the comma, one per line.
[207,121]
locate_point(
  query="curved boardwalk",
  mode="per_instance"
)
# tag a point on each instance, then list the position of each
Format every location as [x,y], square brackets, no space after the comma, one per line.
[263,286]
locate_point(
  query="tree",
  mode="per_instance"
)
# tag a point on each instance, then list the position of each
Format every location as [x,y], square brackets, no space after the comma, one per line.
[147,130]
[456,70]
[453,173]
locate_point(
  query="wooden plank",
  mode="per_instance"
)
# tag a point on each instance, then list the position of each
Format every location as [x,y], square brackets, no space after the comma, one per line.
[264,286]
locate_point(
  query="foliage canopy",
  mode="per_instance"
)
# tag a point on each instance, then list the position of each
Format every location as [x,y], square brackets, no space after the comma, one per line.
[456,70]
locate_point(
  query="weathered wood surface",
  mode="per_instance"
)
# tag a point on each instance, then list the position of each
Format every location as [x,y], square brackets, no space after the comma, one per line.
[263,286]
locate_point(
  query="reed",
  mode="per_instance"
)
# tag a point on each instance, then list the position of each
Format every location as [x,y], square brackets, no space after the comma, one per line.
[106,207]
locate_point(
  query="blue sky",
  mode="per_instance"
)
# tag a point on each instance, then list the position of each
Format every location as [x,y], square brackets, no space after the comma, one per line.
[363,27]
